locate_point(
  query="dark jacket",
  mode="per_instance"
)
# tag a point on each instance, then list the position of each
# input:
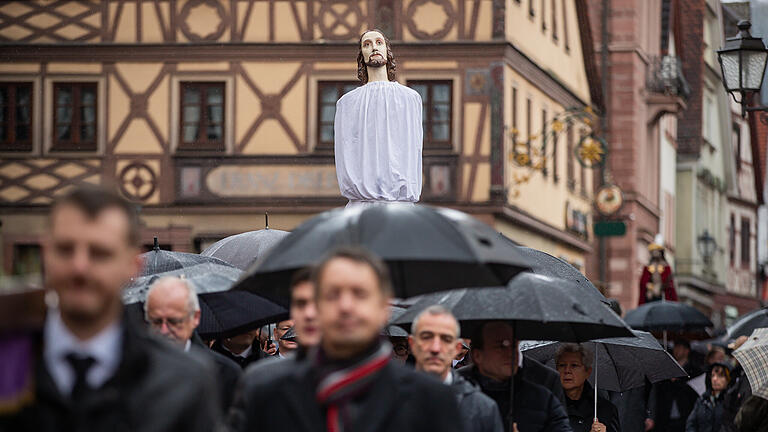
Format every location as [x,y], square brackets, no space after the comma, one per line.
[536,408]
[157,387]
[479,413]
[280,396]
[256,354]
[541,374]
[632,406]
[753,415]
[707,414]
[667,394]
[227,372]
[581,412]
[737,393]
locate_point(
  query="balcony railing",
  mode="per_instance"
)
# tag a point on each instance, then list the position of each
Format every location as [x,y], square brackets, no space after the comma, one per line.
[665,75]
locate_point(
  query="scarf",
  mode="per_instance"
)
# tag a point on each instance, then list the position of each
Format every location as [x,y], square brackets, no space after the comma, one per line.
[340,383]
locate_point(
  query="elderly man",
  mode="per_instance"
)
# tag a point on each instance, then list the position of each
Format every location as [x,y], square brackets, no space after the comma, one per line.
[495,356]
[172,310]
[435,343]
[350,382]
[240,348]
[99,371]
[285,347]
[573,363]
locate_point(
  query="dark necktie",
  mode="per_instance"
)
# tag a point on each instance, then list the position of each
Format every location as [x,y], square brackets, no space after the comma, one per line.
[80,365]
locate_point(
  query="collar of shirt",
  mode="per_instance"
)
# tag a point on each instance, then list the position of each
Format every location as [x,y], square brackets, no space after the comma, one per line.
[187,345]
[448,378]
[58,341]
[243,354]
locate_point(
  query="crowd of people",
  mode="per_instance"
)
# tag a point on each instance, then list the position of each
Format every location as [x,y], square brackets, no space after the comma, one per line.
[330,367]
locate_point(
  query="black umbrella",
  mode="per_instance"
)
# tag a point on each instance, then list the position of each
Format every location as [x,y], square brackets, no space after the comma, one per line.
[540,308]
[545,264]
[745,325]
[620,363]
[290,335]
[161,261]
[242,250]
[222,312]
[427,249]
[667,316]
[393,330]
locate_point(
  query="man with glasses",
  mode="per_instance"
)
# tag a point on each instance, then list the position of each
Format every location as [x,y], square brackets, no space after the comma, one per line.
[495,357]
[172,310]
[434,342]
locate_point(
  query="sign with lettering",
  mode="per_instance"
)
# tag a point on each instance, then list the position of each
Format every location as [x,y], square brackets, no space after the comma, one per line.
[243,181]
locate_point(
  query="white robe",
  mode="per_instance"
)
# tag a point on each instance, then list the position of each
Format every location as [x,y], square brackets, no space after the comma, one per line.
[378,142]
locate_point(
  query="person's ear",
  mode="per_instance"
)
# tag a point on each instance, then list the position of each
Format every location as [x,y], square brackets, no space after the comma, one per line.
[196,318]
[410,342]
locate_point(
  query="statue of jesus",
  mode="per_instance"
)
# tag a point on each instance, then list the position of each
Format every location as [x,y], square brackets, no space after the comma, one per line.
[378,132]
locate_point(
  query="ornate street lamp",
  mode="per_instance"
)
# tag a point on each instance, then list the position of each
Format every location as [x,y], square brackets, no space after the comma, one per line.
[742,61]
[707,246]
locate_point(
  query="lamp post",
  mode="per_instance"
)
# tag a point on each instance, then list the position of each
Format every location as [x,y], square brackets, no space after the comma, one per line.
[707,246]
[743,61]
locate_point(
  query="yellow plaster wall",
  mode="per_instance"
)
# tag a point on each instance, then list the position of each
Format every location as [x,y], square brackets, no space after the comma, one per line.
[484,30]
[413,64]
[294,109]
[139,76]
[150,29]
[526,34]
[19,67]
[202,67]
[247,108]
[270,139]
[482,180]
[340,8]
[202,20]
[79,68]
[286,29]
[125,23]
[157,107]
[257,26]
[540,196]
[119,106]
[537,241]
[138,138]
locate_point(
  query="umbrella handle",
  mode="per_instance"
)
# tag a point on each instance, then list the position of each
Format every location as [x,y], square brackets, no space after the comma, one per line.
[595,381]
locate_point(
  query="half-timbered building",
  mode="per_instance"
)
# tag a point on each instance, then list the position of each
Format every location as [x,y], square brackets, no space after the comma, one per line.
[209,113]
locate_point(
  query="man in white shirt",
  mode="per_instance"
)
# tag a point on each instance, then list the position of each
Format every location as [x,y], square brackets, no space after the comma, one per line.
[378,131]
[98,370]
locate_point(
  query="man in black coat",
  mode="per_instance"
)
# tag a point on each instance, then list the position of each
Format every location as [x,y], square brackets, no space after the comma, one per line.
[172,310]
[494,353]
[96,370]
[574,362]
[349,382]
[434,343]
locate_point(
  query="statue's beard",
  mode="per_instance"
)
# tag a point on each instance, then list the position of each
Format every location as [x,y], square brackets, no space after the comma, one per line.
[376,62]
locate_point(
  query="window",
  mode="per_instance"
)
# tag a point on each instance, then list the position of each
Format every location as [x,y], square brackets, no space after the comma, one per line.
[737,145]
[26,259]
[745,242]
[328,93]
[74,116]
[515,129]
[565,27]
[732,240]
[202,116]
[544,142]
[569,168]
[437,110]
[554,20]
[528,125]
[531,12]
[543,16]
[16,116]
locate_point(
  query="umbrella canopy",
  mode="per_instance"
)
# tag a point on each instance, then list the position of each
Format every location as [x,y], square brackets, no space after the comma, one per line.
[753,357]
[621,363]
[745,325]
[161,261]
[242,250]
[545,264]
[667,316]
[540,307]
[290,335]
[427,249]
[222,312]
[393,330]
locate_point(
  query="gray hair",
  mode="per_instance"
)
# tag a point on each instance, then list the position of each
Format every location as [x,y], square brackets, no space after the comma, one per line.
[586,354]
[193,304]
[435,310]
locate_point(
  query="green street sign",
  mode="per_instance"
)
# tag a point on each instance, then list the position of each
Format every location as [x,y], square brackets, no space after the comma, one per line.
[609,228]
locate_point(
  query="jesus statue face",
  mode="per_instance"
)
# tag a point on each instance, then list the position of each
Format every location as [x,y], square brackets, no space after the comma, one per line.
[374,49]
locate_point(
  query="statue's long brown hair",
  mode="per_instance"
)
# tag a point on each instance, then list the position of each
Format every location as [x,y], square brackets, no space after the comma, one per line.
[362,71]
